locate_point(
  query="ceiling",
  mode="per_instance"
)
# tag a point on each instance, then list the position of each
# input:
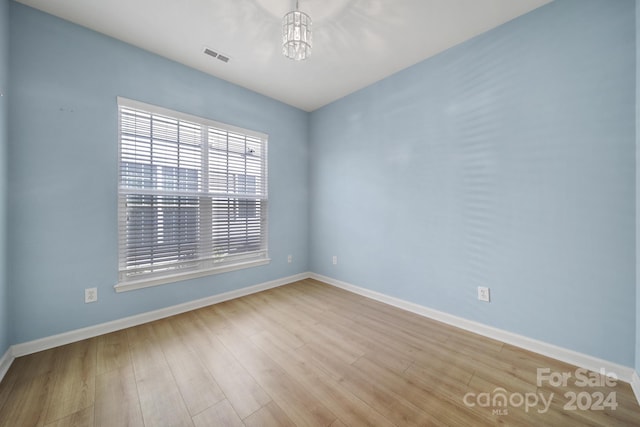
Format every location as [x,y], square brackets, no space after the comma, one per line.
[356,42]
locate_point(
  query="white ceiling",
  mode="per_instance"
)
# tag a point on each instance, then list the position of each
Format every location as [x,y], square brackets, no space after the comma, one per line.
[356,42]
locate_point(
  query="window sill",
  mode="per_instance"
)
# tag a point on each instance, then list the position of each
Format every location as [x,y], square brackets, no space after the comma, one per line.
[163,280]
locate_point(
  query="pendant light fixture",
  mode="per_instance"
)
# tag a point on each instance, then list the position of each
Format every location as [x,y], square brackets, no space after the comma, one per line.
[297,38]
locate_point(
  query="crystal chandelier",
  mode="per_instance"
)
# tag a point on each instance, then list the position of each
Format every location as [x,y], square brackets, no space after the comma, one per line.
[296,35]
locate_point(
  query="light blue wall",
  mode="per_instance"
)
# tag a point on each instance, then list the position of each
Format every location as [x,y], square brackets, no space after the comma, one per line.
[637,365]
[63,172]
[508,162]
[4,83]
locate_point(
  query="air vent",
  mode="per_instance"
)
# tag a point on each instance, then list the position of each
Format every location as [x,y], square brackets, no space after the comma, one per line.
[209,52]
[214,54]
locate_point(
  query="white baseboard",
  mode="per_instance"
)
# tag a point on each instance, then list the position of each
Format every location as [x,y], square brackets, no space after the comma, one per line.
[623,373]
[127,322]
[635,385]
[5,362]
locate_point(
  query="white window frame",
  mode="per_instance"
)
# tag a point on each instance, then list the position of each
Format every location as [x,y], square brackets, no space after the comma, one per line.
[209,260]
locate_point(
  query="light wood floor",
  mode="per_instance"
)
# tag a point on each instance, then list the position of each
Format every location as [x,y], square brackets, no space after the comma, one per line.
[302,354]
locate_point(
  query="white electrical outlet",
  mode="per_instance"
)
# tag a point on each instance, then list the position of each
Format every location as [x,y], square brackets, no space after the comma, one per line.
[483,293]
[290,259]
[90,295]
[335,259]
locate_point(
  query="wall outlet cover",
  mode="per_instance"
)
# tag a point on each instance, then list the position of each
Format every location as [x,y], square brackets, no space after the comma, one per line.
[90,295]
[483,293]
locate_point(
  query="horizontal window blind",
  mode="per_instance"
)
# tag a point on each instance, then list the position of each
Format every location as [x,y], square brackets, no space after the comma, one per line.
[192,193]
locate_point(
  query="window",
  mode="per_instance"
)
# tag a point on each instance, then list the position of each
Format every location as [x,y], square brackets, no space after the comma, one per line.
[192,196]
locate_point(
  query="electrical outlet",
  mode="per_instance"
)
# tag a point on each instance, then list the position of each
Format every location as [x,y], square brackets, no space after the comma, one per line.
[483,293]
[290,259]
[335,259]
[90,295]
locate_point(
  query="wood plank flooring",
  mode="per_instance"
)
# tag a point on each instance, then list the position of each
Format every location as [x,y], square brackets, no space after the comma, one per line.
[305,354]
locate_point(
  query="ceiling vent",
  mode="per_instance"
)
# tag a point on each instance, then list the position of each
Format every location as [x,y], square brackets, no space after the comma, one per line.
[215,54]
